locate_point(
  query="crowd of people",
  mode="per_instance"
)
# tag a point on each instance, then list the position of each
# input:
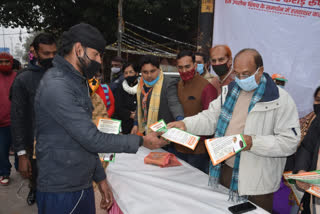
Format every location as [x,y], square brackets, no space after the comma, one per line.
[49,111]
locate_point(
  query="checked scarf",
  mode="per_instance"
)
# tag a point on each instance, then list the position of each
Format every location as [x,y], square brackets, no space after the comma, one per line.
[223,122]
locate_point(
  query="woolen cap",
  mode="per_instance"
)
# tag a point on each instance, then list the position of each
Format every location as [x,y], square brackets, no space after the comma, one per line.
[86,34]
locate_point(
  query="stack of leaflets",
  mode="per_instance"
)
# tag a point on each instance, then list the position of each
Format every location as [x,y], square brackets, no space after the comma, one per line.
[176,135]
[110,126]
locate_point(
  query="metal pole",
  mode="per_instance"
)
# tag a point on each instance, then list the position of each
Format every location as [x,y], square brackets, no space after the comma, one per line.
[205,25]
[11,46]
[120,26]
[4,41]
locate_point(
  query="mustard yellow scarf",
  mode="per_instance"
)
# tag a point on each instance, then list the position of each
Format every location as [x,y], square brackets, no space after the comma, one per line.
[154,105]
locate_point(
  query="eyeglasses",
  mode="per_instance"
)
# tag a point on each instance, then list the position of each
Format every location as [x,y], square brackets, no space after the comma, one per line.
[245,76]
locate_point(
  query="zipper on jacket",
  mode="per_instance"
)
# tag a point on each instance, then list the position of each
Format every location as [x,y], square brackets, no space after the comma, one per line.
[88,89]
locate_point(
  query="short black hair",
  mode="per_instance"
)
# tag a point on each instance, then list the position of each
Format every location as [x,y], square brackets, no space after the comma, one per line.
[184,53]
[65,49]
[256,55]
[316,92]
[117,59]
[128,64]
[149,59]
[43,38]
[204,56]
[16,64]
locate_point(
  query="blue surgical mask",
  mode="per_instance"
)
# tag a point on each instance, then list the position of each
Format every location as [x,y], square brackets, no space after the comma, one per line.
[200,68]
[281,86]
[249,83]
[153,82]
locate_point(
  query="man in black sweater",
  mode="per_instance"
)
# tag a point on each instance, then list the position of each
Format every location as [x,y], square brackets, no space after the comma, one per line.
[22,110]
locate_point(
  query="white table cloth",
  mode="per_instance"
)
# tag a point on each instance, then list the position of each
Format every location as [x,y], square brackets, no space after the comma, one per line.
[139,188]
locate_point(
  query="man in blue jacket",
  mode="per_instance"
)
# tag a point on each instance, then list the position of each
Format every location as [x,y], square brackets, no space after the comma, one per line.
[67,140]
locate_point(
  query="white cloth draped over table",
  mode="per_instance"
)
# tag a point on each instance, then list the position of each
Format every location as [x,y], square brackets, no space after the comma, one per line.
[140,189]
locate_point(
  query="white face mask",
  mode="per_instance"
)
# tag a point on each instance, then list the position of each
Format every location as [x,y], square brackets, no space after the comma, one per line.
[115,70]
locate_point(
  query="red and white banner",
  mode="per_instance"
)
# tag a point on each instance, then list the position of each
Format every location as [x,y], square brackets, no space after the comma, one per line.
[285,32]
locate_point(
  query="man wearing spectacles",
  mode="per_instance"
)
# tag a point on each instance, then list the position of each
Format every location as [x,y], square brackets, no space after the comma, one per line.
[267,117]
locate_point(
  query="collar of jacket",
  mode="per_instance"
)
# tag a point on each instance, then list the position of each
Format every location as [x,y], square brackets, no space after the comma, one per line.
[271,93]
[33,67]
[65,66]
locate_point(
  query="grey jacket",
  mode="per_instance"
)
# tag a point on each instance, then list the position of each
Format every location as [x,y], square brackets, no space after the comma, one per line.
[170,108]
[67,140]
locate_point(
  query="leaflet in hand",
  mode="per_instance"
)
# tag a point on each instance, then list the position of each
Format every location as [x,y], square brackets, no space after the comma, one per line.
[110,126]
[176,135]
[312,178]
[298,194]
[222,148]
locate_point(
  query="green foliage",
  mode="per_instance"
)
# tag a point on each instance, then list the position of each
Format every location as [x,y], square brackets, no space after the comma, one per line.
[174,18]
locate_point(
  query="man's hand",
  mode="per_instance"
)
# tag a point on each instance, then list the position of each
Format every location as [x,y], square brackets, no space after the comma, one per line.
[132,115]
[177,124]
[248,140]
[25,166]
[151,140]
[106,195]
[302,185]
[134,130]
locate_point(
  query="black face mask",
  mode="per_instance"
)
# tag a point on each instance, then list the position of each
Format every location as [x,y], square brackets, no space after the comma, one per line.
[220,70]
[46,63]
[131,79]
[316,108]
[90,70]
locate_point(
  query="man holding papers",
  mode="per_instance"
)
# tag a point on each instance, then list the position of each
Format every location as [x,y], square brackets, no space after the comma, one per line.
[195,94]
[68,142]
[307,159]
[267,117]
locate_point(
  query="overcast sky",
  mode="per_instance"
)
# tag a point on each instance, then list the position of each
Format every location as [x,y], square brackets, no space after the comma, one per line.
[11,38]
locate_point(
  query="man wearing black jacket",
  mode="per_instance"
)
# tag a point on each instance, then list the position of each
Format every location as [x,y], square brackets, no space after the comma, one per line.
[22,110]
[68,142]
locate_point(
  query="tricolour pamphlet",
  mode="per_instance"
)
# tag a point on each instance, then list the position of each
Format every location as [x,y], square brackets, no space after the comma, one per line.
[298,194]
[312,178]
[222,148]
[176,135]
[110,126]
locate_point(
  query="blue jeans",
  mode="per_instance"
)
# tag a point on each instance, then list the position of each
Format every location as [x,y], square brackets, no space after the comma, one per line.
[199,161]
[5,142]
[80,202]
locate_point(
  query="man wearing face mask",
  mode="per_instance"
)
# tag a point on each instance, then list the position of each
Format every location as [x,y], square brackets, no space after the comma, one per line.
[221,63]
[267,117]
[68,142]
[116,73]
[156,97]
[195,94]
[202,66]
[6,79]
[22,110]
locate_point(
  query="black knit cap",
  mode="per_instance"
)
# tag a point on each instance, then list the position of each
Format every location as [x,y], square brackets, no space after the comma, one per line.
[86,34]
